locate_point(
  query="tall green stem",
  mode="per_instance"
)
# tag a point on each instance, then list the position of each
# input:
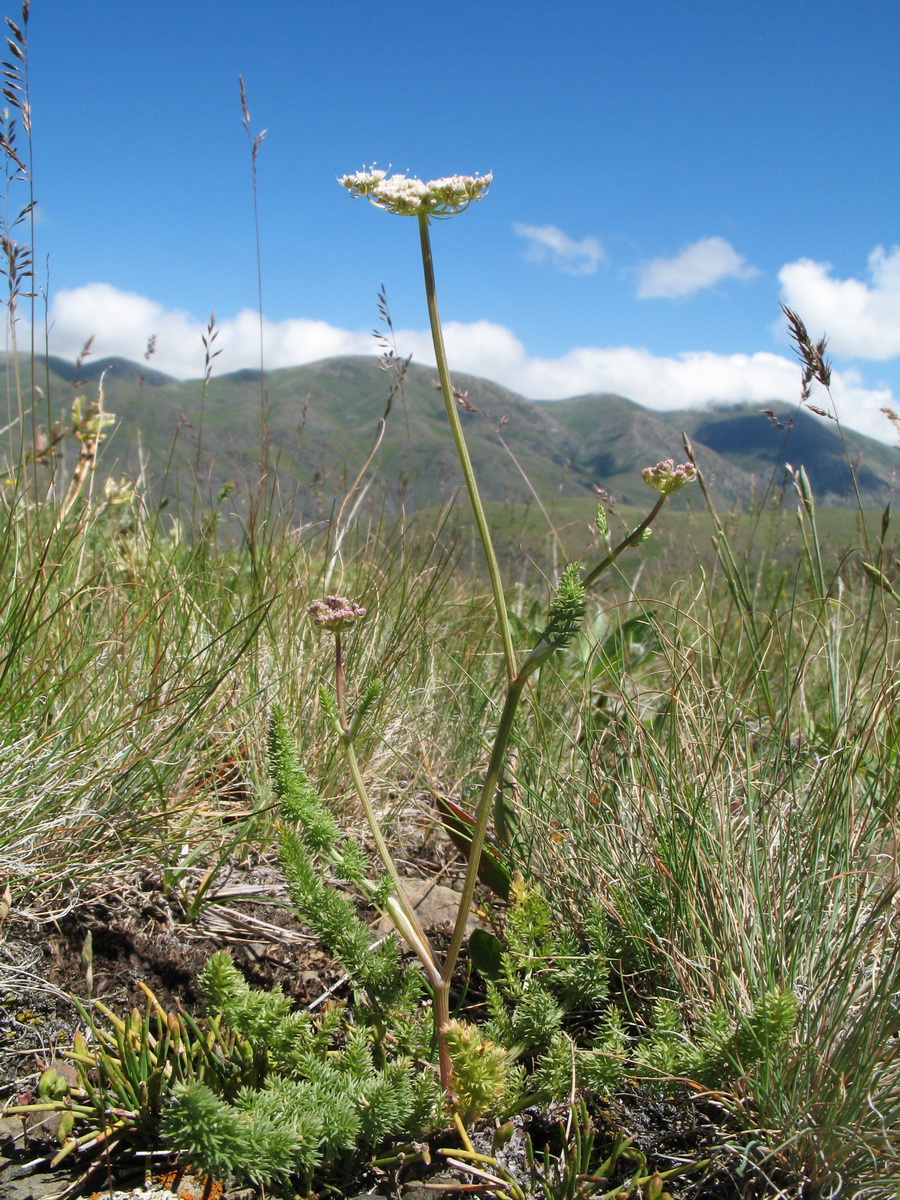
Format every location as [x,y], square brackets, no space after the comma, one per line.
[482,814]
[514,692]
[462,449]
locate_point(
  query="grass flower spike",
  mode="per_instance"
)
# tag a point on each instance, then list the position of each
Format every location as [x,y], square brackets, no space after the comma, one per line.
[666,478]
[410,197]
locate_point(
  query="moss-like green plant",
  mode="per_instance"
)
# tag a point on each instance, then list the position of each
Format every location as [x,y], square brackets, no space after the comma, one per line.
[327,1093]
[723,1047]
[256,1090]
[545,973]
[317,1121]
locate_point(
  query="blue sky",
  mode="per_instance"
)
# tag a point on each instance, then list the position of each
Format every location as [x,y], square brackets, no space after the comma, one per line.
[663,173]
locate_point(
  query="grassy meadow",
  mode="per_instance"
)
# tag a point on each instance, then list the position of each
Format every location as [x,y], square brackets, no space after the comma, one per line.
[714,760]
[701,785]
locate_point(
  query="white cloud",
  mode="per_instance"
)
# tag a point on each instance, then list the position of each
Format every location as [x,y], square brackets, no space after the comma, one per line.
[122,322]
[700,265]
[689,380]
[861,320]
[546,243]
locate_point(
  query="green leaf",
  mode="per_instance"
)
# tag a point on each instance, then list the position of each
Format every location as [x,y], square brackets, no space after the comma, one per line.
[493,870]
[627,647]
[486,953]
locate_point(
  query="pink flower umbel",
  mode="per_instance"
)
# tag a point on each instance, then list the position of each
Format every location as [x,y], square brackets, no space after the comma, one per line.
[335,613]
[666,478]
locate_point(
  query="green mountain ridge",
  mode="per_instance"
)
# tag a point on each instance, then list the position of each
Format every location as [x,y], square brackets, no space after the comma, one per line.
[322,419]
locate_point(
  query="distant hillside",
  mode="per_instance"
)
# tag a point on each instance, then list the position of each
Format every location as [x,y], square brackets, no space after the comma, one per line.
[754,442]
[92,368]
[323,417]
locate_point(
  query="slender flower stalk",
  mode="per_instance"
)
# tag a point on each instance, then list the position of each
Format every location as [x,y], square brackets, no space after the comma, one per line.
[403,914]
[337,615]
[630,539]
[482,816]
[665,478]
[407,197]
[462,450]
[566,613]
[416,938]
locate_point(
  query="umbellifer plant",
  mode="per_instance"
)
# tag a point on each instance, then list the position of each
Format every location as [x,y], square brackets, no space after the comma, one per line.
[337,614]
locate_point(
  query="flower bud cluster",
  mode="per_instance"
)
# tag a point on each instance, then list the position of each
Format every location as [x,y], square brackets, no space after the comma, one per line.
[410,197]
[335,613]
[89,421]
[118,493]
[666,478]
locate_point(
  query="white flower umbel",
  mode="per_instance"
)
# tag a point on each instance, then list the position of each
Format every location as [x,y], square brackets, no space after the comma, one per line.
[410,197]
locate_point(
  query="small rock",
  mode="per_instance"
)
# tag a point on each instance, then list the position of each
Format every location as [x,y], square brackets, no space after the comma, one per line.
[33,1187]
[416,1192]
